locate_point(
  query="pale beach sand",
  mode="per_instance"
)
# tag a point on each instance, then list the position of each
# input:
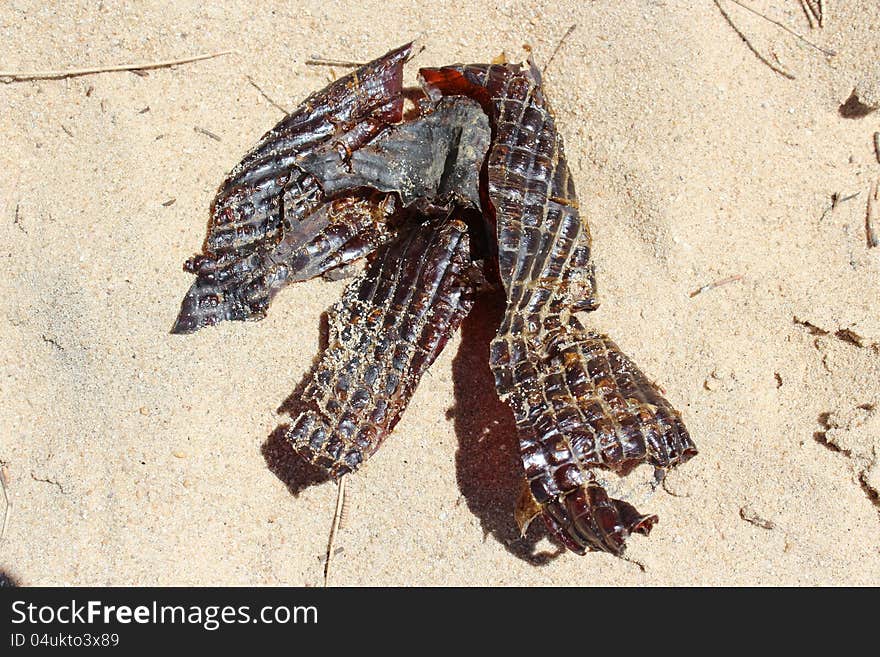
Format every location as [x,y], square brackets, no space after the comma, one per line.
[133,456]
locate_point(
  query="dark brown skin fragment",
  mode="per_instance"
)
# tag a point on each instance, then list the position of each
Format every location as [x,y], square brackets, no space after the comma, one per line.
[389,326]
[435,158]
[241,286]
[268,194]
[345,115]
[584,406]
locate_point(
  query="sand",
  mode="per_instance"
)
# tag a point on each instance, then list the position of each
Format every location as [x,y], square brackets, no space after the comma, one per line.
[132,456]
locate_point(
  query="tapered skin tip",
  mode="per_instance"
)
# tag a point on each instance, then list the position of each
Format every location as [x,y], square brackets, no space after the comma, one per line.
[184,325]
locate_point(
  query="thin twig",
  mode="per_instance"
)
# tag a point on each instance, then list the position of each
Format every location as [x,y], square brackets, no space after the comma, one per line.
[417,45]
[747,514]
[343,514]
[808,12]
[20,76]
[337,517]
[207,133]
[825,51]
[46,480]
[16,221]
[815,12]
[558,46]
[877,145]
[713,285]
[748,43]
[52,342]
[8,510]
[341,63]
[820,14]
[266,96]
[871,216]
[641,566]
[837,199]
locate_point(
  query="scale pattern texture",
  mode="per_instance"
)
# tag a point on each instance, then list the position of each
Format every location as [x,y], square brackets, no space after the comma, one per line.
[469,191]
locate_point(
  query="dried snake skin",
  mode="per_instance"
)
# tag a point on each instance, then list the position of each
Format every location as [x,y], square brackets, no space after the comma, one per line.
[385,332]
[473,186]
[579,403]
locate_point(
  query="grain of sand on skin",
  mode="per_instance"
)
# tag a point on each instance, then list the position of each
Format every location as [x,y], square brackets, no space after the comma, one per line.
[134,457]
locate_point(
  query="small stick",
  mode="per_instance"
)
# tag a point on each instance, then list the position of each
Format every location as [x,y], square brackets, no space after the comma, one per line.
[767,62]
[817,10]
[825,51]
[266,96]
[16,221]
[8,510]
[753,518]
[337,517]
[342,63]
[808,12]
[47,480]
[346,63]
[871,217]
[317,60]
[558,46]
[207,133]
[21,76]
[719,283]
[877,145]
[641,566]
[343,514]
[837,199]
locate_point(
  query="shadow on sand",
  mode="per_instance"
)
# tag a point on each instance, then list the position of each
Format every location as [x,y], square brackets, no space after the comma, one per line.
[488,468]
